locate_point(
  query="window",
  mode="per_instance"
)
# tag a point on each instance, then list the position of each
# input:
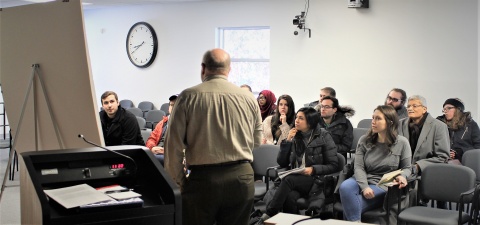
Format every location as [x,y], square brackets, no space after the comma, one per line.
[249,49]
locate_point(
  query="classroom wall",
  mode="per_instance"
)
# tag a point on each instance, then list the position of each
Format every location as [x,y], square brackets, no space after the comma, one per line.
[427,47]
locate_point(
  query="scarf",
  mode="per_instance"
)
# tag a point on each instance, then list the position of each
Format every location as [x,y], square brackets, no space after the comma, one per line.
[414,131]
[269,107]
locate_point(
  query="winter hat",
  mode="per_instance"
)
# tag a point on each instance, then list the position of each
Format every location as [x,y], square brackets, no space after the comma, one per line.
[455,102]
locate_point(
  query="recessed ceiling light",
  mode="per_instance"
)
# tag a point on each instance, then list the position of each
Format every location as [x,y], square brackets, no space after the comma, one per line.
[86,3]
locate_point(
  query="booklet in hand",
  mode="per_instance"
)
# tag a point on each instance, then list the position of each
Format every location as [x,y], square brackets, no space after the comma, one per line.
[389,177]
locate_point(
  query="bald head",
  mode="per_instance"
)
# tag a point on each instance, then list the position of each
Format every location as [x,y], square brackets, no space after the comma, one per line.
[215,62]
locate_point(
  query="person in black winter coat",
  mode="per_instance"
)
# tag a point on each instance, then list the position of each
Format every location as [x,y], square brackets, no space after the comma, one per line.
[334,120]
[307,146]
[119,126]
[463,130]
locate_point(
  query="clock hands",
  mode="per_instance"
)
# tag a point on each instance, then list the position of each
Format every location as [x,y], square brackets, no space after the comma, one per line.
[138,46]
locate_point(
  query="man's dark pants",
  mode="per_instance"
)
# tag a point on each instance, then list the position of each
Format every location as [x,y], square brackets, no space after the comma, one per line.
[221,194]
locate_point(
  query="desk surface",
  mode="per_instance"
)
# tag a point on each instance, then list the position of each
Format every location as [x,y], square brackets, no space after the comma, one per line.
[289,219]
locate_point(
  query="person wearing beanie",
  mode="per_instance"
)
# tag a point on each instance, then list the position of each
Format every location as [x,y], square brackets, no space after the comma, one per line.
[463,130]
[157,137]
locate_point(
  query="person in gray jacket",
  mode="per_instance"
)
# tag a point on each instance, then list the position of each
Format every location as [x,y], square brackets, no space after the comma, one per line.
[380,151]
[428,136]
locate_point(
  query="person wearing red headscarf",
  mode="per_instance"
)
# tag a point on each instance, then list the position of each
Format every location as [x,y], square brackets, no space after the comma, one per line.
[266,100]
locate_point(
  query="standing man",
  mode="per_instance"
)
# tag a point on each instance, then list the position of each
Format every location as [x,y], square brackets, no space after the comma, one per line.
[326,91]
[119,126]
[218,124]
[157,138]
[397,98]
[334,119]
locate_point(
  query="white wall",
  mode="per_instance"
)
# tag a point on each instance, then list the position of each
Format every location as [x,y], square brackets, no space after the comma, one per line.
[427,47]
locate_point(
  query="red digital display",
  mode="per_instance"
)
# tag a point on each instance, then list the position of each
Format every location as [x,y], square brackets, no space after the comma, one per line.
[117,166]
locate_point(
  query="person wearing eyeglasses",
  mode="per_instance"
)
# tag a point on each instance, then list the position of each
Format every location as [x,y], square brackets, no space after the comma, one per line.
[462,129]
[428,136]
[266,100]
[397,98]
[276,127]
[334,119]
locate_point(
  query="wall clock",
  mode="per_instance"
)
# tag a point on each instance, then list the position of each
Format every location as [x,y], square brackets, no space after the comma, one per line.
[142,44]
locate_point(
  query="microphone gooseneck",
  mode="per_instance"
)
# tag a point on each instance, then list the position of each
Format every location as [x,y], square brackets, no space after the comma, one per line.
[118,153]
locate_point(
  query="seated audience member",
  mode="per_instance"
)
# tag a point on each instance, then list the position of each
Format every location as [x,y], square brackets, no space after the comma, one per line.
[397,98]
[326,91]
[246,87]
[306,145]
[119,126]
[266,100]
[380,151]
[334,119]
[427,136]
[157,137]
[277,126]
[463,130]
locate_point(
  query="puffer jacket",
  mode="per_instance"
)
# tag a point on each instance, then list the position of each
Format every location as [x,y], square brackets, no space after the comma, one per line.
[320,153]
[342,132]
[465,138]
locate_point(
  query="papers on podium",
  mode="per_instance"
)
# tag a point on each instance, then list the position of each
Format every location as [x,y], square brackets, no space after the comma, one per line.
[387,179]
[82,194]
[85,196]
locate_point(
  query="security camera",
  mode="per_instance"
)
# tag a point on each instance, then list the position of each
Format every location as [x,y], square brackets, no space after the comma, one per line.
[299,20]
[295,33]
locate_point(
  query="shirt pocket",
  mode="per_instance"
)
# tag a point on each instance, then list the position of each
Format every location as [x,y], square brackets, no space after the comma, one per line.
[393,160]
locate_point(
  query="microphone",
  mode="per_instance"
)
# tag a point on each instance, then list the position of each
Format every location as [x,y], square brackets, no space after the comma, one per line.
[96,145]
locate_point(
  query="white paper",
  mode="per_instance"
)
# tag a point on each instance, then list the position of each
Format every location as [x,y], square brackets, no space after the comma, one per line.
[124,195]
[285,173]
[77,195]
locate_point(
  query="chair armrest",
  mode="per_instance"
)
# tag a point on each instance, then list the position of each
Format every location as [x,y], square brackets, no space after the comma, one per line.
[269,176]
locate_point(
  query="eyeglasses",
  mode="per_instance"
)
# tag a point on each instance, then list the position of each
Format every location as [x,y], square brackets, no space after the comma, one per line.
[325,107]
[446,109]
[261,98]
[414,106]
[393,99]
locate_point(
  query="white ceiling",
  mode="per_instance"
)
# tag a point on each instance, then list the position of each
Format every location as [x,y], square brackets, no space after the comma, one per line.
[97,3]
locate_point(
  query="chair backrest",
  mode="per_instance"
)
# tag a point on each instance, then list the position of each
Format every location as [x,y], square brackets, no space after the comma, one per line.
[341,162]
[153,117]
[357,133]
[471,159]
[164,108]
[126,104]
[264,156]
[365,123]
[146,106]
[145,134]
[136,111]
[141,122]
[445,182]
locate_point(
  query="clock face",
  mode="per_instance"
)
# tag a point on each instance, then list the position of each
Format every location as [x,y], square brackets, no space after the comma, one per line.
[142,44]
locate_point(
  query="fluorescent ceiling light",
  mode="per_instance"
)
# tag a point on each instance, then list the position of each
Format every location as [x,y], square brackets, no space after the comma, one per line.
[38,1]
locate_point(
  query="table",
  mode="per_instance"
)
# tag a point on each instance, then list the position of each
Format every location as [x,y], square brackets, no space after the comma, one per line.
[289,219]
